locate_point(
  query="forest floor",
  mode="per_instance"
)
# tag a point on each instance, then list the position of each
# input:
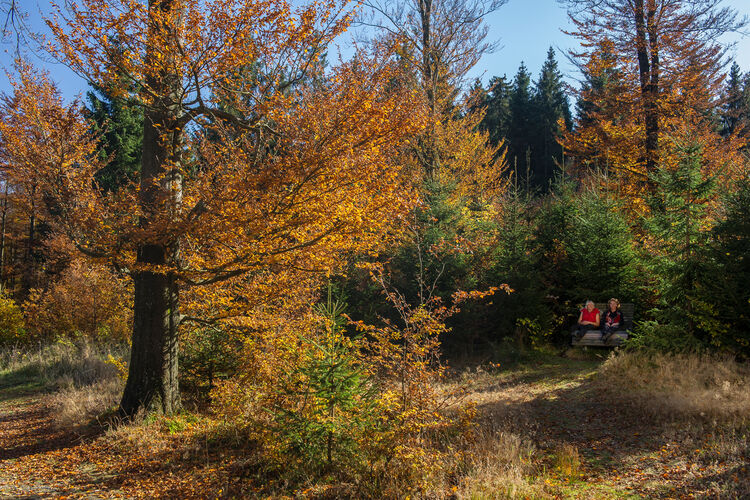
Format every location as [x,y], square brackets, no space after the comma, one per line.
[586,441]
[596,441]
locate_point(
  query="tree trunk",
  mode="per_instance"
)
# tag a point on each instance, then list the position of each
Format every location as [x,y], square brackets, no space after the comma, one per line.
[152,376]
[425,13]
[2,238]
[27,279]
[652,110]
[646,41]
[430,78]
[153,372]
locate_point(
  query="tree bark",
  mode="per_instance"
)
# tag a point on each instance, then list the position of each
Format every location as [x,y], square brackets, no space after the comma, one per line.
[430,75]
[2,238]
[652,110]
[152,376]
[152,383]
[648,69]
[27,278]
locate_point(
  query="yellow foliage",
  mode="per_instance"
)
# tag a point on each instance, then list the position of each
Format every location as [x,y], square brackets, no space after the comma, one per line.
[390,404]
[87,300]
[11,321]
[286,169]
[468,159]
[120,365]
[611,135]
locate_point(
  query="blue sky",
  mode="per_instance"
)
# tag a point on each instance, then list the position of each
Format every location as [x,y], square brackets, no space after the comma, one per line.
[524,28]
[527,28]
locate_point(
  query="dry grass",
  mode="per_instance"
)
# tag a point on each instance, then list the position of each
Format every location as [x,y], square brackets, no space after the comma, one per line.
[682,385]
[82,380]
[496,465]
[73,405]
[523,444]
[694,437]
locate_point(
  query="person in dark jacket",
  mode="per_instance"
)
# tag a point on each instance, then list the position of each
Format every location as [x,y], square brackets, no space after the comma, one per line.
[613,320]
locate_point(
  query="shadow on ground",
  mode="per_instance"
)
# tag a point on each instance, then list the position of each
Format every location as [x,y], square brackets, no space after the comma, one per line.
[562,403]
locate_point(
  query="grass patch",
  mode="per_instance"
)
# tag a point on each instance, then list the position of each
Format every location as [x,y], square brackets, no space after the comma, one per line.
[498,465]
[19,382]
[81,380]
[689,386]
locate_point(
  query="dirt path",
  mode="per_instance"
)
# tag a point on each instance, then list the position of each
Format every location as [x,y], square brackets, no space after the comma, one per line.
[38,460]
[35,454]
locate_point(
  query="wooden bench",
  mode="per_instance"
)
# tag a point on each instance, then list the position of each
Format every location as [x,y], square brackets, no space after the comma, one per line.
[594,337]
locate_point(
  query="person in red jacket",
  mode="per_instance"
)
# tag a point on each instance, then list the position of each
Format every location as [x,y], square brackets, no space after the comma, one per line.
[588,319]
[613,319]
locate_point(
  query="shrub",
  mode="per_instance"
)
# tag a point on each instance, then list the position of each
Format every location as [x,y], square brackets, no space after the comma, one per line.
[87,300]
[662,337]
[365,409]
[412,414]
[324,405]
[12,329]
[207,355]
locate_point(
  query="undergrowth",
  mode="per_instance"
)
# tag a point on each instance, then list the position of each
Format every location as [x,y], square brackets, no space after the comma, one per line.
[693,386]
[83,380]
[696,405]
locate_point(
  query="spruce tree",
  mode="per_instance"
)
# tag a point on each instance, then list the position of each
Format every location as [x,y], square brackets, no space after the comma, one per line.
[553,236]
[584,248]
[514,264]
[521,122]
[497,103]
[734,112]
[679,216]
[550,103]
[120,123]
[602,256]
[726,290]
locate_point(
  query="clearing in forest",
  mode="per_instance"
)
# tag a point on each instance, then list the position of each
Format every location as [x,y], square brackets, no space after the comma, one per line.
[550,427]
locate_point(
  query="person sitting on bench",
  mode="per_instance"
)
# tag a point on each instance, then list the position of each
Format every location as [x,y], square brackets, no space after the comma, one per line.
[587,320]
[613,319]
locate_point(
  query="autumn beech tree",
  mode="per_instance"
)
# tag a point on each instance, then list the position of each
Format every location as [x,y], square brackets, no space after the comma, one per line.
[42,141]
[254,176]
[648,64]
